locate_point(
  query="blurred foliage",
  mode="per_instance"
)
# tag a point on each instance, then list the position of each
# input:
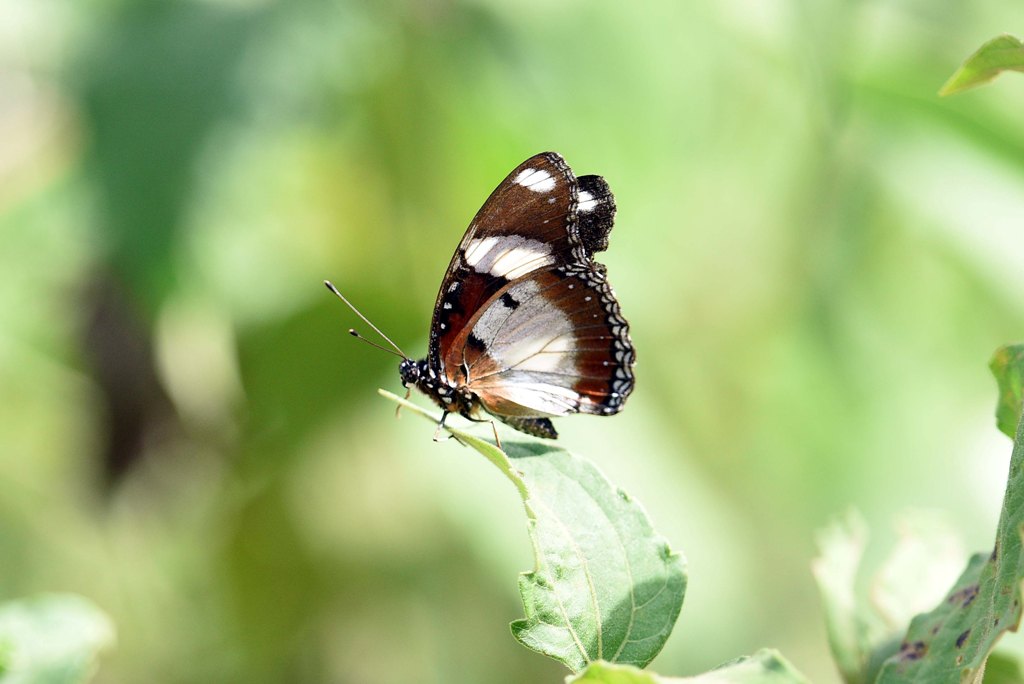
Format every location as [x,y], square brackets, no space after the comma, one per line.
[816,255]
[52,639]
[1002,53]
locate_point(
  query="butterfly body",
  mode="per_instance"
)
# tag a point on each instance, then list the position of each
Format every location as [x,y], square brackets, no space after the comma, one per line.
[451,398]
[525,325]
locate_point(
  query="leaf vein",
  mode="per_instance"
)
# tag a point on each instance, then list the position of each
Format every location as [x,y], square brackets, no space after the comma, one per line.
[590,586]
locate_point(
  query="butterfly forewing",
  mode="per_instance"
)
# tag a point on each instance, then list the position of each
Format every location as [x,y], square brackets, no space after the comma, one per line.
[533,210]
[528,223]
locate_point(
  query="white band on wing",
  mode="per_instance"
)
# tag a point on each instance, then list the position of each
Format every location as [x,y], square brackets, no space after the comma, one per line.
[507,256]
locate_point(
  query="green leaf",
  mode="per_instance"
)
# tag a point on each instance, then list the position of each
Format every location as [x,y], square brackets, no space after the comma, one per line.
[952,642]
[853,632]
[863,634]
[1008,366]
[1002,53]
[764,667]
[51,640]
[605,585]
[900,591]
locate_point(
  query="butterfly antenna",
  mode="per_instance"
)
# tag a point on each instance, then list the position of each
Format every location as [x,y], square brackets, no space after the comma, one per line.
[353,333]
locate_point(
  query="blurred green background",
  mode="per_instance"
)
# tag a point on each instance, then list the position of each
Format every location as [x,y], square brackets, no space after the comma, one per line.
[816,254]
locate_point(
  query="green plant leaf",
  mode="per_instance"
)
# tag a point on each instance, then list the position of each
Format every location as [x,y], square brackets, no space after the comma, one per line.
[52,639]
[900,591]
[1002,53]
[1008,366]
[605,585]
[764,667]
[853,633]
[863,634]
[952,642]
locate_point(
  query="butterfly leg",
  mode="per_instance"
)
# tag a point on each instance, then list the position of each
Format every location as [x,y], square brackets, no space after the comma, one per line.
[440,426]
[408,393]
[497,440]
[494,426]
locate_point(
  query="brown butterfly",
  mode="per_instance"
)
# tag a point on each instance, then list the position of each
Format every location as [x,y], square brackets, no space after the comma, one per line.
[526,325]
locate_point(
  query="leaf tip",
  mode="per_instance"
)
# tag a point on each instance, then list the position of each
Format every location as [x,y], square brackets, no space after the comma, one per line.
[1002,53]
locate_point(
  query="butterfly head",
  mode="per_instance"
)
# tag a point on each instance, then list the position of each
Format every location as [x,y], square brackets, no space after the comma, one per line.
[449,397]
[410,372]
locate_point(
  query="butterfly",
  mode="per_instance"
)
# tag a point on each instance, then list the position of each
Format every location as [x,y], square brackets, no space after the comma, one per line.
[526,326]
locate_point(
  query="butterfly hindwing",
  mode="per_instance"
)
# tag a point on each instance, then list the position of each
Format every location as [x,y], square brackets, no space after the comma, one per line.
[595,213]
[550,344]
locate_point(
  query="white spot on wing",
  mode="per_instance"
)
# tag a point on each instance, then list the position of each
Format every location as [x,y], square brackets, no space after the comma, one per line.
[587,201]
[537,180]
[546,185]
[473,252]
[507,256]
